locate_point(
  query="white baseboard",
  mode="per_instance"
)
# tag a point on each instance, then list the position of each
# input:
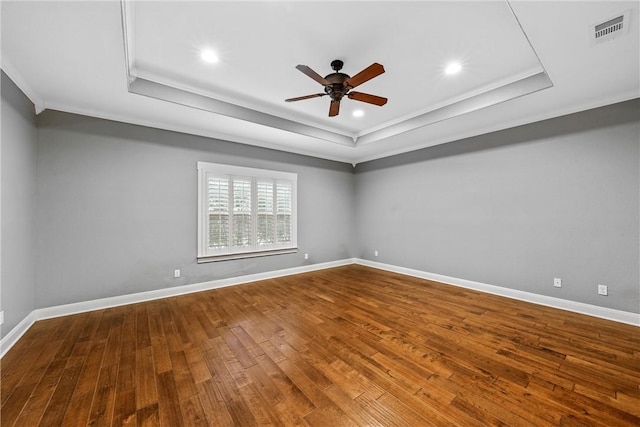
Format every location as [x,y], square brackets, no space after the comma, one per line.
[98,304]
[563,304]
[14,335]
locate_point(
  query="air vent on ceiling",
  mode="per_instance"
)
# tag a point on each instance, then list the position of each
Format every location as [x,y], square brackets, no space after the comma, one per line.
[610,29]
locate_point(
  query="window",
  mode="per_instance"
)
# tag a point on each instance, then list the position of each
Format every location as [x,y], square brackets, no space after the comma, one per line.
[245,212]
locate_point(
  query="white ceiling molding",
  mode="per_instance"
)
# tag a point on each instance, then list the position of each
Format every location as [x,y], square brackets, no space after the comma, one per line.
[504,93]
[25,87]
[163,92]
[126,10]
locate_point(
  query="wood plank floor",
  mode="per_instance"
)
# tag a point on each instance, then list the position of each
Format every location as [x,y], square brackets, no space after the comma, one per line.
[339,347]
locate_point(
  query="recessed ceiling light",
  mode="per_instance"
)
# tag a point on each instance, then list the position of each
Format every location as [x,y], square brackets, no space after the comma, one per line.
[358,113]
[207,55]
[453,68]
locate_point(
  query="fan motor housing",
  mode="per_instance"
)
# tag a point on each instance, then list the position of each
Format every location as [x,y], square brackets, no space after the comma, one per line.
[336,90]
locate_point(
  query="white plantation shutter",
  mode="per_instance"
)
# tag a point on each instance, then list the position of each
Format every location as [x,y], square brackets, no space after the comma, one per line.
[284,212]
[218,212]
[245,212]
[266,214]
[242,228]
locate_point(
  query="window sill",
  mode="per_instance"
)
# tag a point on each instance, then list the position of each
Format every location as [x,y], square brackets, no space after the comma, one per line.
[227,257]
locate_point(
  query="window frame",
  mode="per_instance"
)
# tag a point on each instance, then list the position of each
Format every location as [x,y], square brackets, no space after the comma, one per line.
[231,172]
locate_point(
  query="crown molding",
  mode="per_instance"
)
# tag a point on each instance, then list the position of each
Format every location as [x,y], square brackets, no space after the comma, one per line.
[16,77]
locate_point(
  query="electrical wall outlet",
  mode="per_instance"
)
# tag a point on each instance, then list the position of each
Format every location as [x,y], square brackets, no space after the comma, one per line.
[1,317]
[557,282]
[375,253]
[176,273]
[603,290]
[306,256]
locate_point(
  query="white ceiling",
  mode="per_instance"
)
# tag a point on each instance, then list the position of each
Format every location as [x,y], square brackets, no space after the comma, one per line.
[138,62]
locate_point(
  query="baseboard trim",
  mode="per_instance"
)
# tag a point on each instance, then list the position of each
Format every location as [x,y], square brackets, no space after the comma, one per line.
[99,304]
[562,304]
[17,332]
[14,335]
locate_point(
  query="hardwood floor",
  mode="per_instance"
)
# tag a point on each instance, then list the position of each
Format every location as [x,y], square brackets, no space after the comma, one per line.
[346,346]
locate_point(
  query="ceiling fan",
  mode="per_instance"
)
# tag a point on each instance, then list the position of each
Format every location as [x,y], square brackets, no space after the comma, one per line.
[338,84]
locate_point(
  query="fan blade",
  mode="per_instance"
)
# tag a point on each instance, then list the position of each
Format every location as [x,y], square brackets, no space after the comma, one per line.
[300,98]
[365,97]
[315,76]
[365,75]
[334,108]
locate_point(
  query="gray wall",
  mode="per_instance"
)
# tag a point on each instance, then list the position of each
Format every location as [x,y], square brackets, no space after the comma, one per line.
[118,208]
[18,180]
[516,208]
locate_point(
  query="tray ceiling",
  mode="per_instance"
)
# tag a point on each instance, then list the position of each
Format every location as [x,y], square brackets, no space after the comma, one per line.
[139,62]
